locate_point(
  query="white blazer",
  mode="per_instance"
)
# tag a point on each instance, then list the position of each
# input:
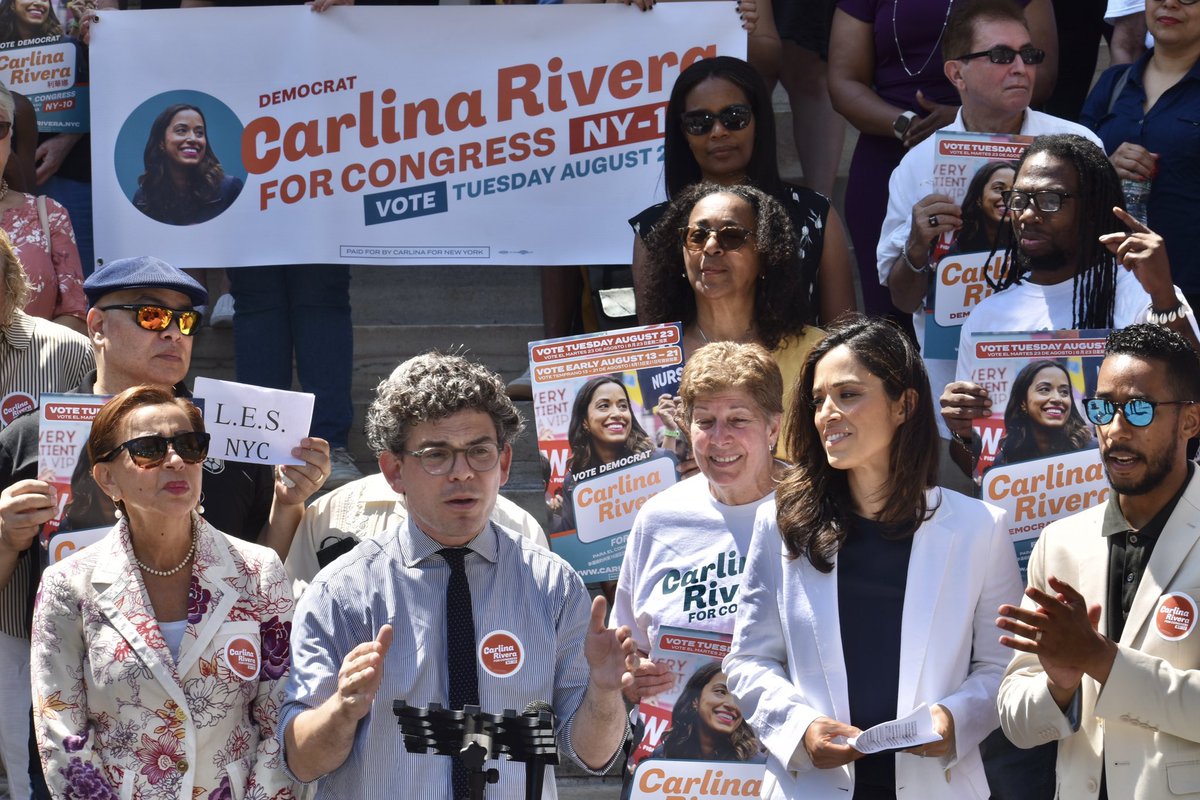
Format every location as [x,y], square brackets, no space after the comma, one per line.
[786,665]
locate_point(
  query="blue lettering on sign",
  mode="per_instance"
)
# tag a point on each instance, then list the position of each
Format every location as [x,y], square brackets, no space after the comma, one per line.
[406,203]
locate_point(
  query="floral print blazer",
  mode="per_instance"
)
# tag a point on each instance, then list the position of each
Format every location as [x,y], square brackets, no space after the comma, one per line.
[116,716]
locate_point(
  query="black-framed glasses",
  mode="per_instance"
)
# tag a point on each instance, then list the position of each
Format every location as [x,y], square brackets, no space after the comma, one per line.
[150,451]
[481,457]
[729,238]
[1138,412]
[1046,202]
[158,318]
[5,130]
[1003,54]
[733,118]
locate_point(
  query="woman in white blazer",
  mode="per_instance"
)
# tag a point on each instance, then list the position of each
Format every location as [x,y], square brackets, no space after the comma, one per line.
[868,591]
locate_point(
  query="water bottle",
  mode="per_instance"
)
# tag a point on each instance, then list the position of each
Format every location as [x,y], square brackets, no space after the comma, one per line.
[1136,192]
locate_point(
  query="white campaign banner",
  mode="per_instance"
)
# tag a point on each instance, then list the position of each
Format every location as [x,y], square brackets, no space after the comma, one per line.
[387,135]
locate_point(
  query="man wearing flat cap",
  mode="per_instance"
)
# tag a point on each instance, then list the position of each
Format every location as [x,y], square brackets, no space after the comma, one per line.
[141,323]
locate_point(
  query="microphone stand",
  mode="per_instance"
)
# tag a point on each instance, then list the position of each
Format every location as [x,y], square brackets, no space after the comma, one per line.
[476,737]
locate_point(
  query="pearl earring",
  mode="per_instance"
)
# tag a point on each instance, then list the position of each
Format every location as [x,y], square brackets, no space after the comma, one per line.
[200,505]
[117,508]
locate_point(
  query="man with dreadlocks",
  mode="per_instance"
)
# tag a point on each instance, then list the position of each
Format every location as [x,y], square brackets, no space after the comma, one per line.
[992,60]
[1077,260]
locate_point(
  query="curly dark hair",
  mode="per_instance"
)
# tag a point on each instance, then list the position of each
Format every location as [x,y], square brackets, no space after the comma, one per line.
[431,387]
[10,26]
[1155,343]
[1019,442]
[1095,288]
[813,500]
[682,739]
[163,201]
[583,456]
[679,165]
[780,296]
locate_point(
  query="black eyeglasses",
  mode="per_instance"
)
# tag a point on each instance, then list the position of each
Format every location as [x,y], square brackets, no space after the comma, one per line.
[158,318]
[150,451]
[729,238]
[1003,54]
[1045,202]
[1138,412]
[733,118]
[481,457]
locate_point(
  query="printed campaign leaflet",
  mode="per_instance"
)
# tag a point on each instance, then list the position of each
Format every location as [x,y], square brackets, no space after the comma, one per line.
[1037,382]
[606,452]
[43,58]
[695,657]
[972,169]
[84,513]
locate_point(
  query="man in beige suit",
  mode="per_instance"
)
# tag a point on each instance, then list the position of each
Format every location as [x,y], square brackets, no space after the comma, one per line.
[1108,660]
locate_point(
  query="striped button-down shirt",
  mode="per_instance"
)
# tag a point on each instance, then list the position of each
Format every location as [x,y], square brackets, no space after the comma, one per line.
[518,591]
[36,356]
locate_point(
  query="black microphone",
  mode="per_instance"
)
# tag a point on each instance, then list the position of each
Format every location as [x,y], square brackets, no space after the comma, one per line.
[535,767]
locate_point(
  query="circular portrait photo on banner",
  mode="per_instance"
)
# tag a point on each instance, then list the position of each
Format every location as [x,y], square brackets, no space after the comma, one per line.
[178,157]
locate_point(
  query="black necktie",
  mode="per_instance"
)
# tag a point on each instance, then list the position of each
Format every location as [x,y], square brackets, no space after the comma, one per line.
[461,674]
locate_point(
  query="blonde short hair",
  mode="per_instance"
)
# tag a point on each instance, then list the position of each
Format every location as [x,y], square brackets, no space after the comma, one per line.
[720,366]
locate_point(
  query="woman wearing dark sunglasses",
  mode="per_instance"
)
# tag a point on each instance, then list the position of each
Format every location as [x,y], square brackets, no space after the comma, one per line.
[721,128]
[160,652]
[724,261]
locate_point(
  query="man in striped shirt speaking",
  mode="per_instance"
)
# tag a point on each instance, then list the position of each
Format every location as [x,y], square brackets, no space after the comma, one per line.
[449,608]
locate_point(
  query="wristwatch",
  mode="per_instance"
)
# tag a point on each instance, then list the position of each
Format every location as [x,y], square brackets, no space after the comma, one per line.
[901,124]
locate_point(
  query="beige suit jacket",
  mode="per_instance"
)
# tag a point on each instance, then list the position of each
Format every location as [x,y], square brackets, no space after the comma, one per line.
[1144,723]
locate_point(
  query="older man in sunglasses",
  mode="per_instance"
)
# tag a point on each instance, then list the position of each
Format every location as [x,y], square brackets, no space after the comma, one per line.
[141,325]
[991,60]
[1105,660]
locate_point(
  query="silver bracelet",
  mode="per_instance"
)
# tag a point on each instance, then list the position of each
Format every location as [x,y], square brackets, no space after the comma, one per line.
[1180,311]
[911,265]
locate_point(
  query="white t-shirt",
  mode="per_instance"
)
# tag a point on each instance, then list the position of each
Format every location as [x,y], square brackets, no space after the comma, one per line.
[683,562]
[1029,307]
[1123,8]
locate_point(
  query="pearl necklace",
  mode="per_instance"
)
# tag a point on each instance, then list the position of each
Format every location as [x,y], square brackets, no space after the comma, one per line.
[936,45]
[166,573]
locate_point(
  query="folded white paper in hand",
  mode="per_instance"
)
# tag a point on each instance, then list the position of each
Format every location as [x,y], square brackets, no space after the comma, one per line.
[898,734]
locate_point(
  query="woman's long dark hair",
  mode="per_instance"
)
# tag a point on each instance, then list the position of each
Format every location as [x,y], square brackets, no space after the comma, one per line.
[583,455]
[682,739]
[163,200]
[1019,442]
[1099,191]
[679,165]
[8,23]
[973,235]
[813,499]
[780,296]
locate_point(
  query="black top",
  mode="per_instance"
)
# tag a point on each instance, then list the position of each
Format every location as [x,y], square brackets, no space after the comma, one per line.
[872,574]
[808,211]
[1129,552]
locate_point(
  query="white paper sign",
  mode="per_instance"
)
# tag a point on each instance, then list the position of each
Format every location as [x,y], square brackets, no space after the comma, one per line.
[69,543]
[252,424]
[394,135]
[898,734]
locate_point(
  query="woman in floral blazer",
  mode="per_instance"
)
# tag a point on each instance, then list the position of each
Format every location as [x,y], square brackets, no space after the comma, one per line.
[137,695]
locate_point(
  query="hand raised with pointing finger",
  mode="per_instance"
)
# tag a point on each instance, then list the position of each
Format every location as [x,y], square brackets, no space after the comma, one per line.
[1142,252]
[361,674]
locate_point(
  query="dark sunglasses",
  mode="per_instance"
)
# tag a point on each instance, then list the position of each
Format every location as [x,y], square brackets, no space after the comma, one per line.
[158,318]
[5,130]
[1138,412]
[733,118]
[150,451]
[1003,54]
[1045,202]
[729,238]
